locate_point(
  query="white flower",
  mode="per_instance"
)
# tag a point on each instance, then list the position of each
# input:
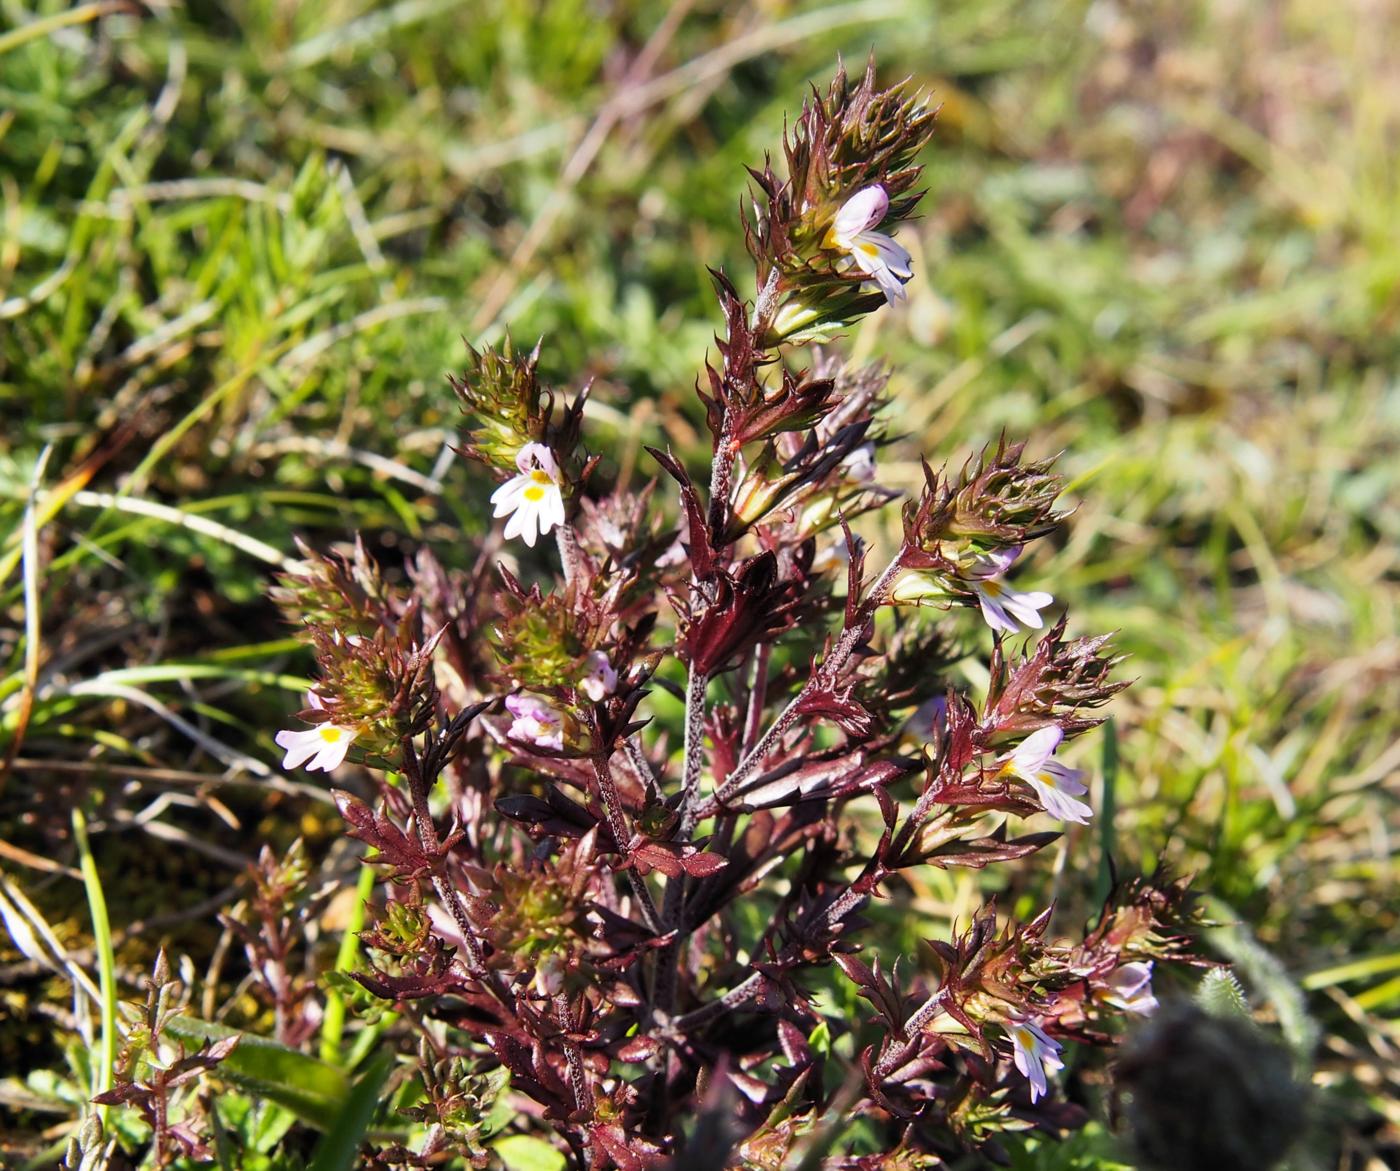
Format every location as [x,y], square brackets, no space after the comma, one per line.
[324,746]
[533,499]
[1057,785]
[1035,1055]
[875,254]
[535,722]
[1003,607]
[600,678]
[1130,988]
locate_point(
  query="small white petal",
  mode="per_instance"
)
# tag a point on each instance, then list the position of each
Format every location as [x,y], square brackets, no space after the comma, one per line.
[322,747]
[1027,607]
[1130,988]
[529,515]
[508,496]
[301,746]
[554,510]
[533,499]
[331,756]
[864,209]
[1037,748]
[537,455]
[890,285]
[994,613]
[1061,805]
[993,564]
[894,255]
[1035,1055]
[600,678]
[1066,779]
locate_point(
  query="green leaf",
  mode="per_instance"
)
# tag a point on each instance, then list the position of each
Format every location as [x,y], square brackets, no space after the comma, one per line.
[502,1111]
[524,1152]
[312,1090]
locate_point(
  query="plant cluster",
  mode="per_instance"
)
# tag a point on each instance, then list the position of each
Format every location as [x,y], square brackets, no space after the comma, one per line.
[567,895]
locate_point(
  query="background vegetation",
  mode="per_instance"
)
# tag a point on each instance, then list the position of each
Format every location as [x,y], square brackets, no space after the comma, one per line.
[241,245]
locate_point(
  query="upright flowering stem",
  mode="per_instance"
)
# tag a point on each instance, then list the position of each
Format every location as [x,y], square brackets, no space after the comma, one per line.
[646,772]
[607,1005]
[846,644]
[758,693]
[567,543]
[931,1008]
[426,830]
[617,824]
[573,1056]
[673,905]
[694,751]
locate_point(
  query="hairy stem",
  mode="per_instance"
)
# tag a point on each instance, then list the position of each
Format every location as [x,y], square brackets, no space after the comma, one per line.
[578,1078]
[426,830]
[846,644]
[914,1025]
[758,694]
[740,994]
[694,753]
[569,555]
[622,836]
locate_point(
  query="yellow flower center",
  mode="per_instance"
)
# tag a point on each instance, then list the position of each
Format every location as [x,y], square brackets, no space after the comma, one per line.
[331,734]
[540,476]
[534,493]
[992,587]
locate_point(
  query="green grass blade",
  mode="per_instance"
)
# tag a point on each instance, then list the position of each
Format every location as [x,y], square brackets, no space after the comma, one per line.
[340,1147]
[106,960]
[333,1023]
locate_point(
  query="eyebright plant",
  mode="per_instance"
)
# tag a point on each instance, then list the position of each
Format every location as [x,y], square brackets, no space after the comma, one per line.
[626,932]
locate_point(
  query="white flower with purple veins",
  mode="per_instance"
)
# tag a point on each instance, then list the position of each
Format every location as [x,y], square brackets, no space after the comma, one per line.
[1002,607]
[1057,785]
[599,679]
[875,254]
[533,500]
[1035,1055]
[1130,988]
[535,722]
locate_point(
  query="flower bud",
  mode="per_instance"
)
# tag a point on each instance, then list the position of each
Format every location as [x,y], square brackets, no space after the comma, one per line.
[922,587]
